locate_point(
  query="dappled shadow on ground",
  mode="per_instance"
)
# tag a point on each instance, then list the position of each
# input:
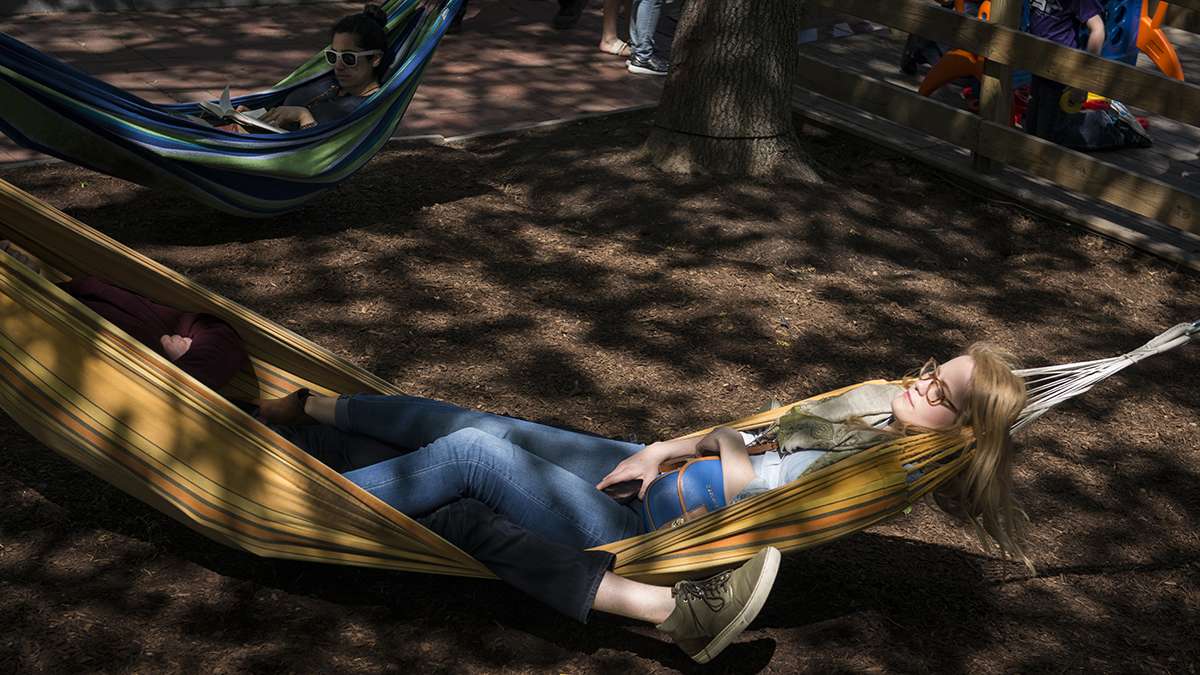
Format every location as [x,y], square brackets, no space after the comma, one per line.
[554,276]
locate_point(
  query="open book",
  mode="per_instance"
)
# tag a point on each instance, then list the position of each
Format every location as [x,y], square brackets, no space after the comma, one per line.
[224,111]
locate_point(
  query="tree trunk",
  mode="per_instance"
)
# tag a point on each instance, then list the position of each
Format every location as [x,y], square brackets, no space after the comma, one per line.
[727,104]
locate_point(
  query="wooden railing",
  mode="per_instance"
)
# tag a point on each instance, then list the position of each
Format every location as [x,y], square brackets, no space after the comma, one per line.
[1183,18]
[989,135]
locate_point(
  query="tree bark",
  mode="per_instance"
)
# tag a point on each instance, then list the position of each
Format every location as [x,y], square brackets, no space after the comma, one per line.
[726,107]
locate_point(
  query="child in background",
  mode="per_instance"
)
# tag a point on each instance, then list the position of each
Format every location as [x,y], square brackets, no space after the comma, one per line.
[1060,21]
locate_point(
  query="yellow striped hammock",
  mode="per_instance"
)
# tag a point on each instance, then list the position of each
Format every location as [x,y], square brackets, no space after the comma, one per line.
[109,404]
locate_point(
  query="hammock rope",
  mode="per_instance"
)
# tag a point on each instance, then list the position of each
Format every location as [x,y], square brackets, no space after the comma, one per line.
[1051,385]
[118,409]
[58,110]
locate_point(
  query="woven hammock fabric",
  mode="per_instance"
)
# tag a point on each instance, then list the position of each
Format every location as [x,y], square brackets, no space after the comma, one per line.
[58,110]
[118,409]
[108,403]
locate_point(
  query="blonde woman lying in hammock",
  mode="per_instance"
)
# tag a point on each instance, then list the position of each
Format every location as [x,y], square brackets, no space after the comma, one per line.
[545,484]
[977,389]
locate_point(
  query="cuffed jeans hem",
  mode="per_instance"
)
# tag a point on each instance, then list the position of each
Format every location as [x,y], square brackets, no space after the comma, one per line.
[563,577]
[341,412]
[600,563]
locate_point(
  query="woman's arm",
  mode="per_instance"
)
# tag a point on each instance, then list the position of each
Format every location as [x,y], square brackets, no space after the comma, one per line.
[644,464]
[290,116]
[736,469]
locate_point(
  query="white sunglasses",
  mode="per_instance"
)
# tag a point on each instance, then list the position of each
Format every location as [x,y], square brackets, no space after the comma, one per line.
[350,59]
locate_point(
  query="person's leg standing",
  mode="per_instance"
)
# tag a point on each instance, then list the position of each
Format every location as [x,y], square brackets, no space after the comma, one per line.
[528,490]
[643,24]
[409,422]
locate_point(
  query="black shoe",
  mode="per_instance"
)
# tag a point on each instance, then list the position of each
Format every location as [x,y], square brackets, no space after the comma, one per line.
[569,13]
[655,65]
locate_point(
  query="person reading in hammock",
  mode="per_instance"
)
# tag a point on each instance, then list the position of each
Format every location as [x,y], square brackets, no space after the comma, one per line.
[356,49]
[201,345]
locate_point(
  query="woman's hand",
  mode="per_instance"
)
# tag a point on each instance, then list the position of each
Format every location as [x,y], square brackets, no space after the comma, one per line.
[289,116]
[641,466]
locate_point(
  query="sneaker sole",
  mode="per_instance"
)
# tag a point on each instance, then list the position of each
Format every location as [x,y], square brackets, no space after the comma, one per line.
[645,71]
[758,597]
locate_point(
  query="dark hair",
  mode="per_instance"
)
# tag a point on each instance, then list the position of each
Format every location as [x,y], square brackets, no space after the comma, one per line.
[369,29]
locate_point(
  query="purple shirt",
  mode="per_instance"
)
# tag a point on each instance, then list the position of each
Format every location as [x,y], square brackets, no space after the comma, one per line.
[1061,20]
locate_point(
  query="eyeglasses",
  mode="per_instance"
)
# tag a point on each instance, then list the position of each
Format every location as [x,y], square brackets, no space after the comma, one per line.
[349,59]
[937,393]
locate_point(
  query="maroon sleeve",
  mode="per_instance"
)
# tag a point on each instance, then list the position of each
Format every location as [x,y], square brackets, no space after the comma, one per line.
[145,320]
[217,352]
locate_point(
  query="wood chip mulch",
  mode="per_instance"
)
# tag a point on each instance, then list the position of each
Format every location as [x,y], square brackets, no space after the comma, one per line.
[554,275]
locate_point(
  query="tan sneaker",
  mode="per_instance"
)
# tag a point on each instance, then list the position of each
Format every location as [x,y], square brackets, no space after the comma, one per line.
[710,614]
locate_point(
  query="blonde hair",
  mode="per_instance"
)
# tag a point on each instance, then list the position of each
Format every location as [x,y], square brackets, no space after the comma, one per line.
[983,491]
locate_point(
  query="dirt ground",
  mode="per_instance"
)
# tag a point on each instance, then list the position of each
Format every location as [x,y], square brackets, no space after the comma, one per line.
[553,275]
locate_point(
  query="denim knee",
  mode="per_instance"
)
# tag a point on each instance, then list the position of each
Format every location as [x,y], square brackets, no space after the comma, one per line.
[471,444]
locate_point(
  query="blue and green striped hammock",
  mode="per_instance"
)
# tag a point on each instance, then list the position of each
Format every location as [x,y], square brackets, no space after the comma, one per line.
[56,109]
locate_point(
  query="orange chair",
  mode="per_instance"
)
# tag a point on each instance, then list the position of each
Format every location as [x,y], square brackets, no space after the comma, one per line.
[1152,42]
[956,63]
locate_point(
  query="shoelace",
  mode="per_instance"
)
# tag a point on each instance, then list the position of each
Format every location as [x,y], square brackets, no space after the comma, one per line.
[708,591]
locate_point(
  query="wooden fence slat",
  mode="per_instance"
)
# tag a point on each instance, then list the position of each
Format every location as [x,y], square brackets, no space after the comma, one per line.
[995,89]
[885,100]
[1091,176]
[1189,5]
[1183,19]
[1142,88]
[1071,169]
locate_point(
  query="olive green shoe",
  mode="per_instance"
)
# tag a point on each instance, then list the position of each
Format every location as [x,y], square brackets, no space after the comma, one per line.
[710,614]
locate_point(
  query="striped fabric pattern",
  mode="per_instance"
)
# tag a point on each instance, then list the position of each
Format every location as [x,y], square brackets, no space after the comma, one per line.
[58,110]
[118,409]
[840,499]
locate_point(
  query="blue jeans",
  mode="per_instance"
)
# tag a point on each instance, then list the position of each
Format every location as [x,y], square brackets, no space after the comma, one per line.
[561,576]
[539,477]
[643,23]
